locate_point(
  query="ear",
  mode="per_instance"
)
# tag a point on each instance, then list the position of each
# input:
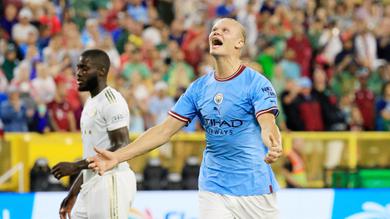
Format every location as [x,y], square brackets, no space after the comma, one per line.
[102,71]
[240,44]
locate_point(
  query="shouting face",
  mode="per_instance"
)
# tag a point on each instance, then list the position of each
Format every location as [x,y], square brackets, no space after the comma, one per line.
[227,37]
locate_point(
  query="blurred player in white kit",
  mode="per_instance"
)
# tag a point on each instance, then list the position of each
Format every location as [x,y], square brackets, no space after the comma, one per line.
[104,122]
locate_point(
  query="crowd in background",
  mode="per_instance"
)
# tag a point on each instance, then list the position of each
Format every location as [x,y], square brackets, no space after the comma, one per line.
[328,60]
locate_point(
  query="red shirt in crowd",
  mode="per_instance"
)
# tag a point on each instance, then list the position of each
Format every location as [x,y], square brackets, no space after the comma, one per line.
[365,101]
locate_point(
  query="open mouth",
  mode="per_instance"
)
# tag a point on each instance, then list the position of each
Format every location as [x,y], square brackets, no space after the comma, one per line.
[216,42]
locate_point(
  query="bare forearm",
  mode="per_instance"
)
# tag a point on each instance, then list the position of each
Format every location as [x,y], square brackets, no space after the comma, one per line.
[82,164]
[151,139]
[76,187]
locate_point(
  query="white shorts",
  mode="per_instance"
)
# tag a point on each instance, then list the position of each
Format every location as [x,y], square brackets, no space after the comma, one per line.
[106,197]
[213,205]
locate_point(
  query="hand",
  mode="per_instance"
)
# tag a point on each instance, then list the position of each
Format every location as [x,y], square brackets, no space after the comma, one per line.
[275,150]
[64,169]
[66,206]
[103,161]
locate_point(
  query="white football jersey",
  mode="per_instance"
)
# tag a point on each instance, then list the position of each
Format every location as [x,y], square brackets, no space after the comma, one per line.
[105,112]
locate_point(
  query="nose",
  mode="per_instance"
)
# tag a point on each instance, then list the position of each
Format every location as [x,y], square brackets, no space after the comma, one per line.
[216,32]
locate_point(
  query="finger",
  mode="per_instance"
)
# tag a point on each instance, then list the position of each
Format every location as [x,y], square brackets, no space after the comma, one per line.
[92,165]
[269,160]
[273,154]
[62,213]
[55,169]
[272,140]
[57,175]
[102,152]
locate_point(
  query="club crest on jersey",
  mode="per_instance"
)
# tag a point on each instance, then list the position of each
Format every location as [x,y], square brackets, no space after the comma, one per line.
[218,98]
[92,112]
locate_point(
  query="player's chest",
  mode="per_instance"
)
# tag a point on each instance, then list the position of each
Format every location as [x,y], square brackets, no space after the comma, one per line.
[227,102]
[91,118]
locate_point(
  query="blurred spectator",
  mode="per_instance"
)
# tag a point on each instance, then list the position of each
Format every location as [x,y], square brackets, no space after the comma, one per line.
[293,169]
[50,19]
[330,42]
[21,30]
[345,81]
[309,107]
[153,33]
[9,19]
[194,43]
[61,115]
[138,11]
[333,117]
[300,44]
[137,112]
[226,9]
[290,68]
[10,62]
[55,49]
[43,85]
[13,112]
[289,99]
[135,64]
[67,79]
[3,82]
[40,120]
[383,109]
[108,46]
[365,100]
[177,31]
[93,34]
[22,82]
[366,47]
[160,103]
[267,60]
[179,73]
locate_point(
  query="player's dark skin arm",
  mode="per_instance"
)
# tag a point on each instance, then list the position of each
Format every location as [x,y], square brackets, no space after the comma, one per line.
[69,201]
[118,138]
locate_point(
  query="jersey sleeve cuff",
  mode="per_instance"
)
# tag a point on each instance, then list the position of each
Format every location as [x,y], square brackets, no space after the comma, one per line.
[179,117]
[116,126]
[274,110]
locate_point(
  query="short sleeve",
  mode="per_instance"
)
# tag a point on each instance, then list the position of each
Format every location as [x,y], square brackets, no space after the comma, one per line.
[116,113]
[264,98]
[185,108]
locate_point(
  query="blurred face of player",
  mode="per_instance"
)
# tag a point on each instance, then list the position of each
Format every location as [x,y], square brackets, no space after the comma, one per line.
[226,38]
[87,74]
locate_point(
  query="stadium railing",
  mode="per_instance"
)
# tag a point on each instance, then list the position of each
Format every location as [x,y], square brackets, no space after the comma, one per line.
[367,149]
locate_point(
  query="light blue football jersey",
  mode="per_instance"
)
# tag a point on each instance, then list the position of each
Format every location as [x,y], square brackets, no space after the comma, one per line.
[233,161]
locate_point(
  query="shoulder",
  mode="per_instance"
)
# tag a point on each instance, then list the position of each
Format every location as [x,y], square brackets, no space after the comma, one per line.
[254,77]
[110,96]
[201,81]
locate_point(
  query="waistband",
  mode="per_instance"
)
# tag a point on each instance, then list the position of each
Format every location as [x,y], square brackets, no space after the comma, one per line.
[89,174]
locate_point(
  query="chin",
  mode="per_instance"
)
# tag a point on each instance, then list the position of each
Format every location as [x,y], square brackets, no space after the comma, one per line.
[82,89]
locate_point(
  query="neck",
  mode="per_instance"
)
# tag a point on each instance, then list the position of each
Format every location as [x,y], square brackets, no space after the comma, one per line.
[226,66]
[95,91]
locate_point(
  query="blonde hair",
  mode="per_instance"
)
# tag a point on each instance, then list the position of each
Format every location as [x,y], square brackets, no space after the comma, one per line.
[242,28]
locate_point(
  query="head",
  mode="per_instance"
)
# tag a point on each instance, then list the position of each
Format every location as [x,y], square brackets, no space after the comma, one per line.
[13,94]
[386,90]
[92,69]
[11,12]
[306,86]
[161,89]
[25,15]
[363,74]
[227,38]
